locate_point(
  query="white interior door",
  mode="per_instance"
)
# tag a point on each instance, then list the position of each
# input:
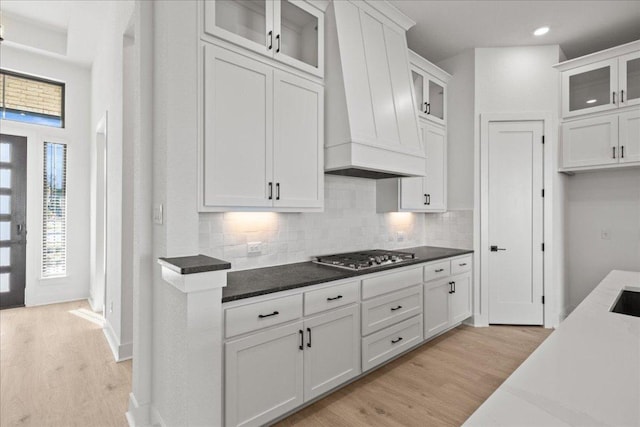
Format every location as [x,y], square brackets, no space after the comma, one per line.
[515,222]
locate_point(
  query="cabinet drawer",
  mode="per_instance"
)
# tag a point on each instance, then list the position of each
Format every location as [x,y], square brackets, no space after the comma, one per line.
[387,343]
[331,297]
[388,309]
[390,282]
[461,265]
[437,270]
[251,317]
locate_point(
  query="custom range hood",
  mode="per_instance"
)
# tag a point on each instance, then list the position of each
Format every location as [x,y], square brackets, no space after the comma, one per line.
[371,127]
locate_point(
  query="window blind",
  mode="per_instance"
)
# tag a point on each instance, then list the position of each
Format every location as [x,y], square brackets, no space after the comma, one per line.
[54,216]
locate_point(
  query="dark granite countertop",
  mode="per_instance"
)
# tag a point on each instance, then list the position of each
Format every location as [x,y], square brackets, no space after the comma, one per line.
[194,264]
[261,281]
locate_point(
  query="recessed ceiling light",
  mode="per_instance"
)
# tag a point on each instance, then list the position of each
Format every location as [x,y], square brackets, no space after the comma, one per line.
[541,31]
[592,101]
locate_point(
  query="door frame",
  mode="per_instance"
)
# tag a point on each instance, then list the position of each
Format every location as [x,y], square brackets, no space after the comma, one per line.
[481,222]
[98,303]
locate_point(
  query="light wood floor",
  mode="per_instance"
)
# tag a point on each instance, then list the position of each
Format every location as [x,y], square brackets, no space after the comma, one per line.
[439,384]
[56,369]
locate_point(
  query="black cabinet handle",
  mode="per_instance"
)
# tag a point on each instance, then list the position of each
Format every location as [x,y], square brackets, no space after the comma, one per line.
[270,40]
[309,342]
[428,199]
[495,248]
[462,264]
[622,95]
[270,190]
[301,339]
[397,340]
[454,287]
[614,98]
[425,199]
[614,152]
[278,41]
[450,287]
[334,298]
[262,316]
[277,191]
[396,308]
[440,270]
[428,108]
[622,151]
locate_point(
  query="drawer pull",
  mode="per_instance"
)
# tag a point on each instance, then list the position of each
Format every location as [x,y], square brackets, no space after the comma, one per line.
[463,264]
[440,270]
[396,308]
[334,298]
[262,316]
[397,340]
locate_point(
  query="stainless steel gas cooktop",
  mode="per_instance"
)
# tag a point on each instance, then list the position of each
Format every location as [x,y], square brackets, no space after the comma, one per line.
[364,259]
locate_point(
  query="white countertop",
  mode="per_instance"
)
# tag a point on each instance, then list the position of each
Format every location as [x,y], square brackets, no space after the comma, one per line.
[586,373]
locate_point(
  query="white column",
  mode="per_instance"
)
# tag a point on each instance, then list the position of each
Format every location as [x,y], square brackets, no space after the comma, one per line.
[195,343]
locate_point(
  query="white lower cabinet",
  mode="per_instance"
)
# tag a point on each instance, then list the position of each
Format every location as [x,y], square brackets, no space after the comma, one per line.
[270,373]
[332,350]
[263,375]
[446,302]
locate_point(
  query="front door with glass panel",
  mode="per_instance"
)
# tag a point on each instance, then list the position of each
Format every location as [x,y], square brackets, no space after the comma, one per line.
[13,216]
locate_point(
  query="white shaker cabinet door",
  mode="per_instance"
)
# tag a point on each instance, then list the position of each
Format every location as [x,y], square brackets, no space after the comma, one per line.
[435,181]
[298,142]
[629,144]
[332,350]
[238,135]
[263,376]
[436,307]
[461,298]
[590,142]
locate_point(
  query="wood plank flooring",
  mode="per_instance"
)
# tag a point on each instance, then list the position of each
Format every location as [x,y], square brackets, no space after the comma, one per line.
[439,384]
[56,369]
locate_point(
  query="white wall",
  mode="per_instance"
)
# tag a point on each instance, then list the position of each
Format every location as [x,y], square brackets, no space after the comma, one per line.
[107,95]
[349,222]
[460,131]
[76,135]
[600,201]
[522,80]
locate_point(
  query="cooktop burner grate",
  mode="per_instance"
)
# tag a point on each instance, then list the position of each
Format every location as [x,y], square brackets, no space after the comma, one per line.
[364,259]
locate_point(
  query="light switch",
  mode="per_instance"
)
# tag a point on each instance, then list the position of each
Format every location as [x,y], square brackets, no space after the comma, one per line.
[158,214]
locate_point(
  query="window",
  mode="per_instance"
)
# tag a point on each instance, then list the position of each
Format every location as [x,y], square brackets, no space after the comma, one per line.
[31,99]
[54,215]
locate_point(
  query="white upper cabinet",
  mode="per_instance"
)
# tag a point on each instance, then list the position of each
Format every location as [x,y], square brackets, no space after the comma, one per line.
[429,89]
[601,82]
[262,137]
[606,87]
[290,31]
[371,124]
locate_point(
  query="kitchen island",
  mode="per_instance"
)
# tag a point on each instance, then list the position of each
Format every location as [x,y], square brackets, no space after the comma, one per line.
[586,373]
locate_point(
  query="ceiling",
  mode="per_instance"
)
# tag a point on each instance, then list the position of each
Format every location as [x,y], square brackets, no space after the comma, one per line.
[446,28]
[82,20]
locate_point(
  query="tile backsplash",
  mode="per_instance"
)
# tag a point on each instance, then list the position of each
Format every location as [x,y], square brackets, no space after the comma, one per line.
[349,222]
[452,229]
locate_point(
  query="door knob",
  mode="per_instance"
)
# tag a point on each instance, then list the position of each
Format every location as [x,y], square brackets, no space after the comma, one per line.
[496,249]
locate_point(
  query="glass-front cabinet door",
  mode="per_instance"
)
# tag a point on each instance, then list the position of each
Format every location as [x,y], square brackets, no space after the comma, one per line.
[629,72]
[291,31]
[590,88]
[248,23]
[429,95]
[299,35]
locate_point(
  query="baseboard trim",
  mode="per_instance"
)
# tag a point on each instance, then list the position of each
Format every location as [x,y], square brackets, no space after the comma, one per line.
[138,416]
[120,352]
